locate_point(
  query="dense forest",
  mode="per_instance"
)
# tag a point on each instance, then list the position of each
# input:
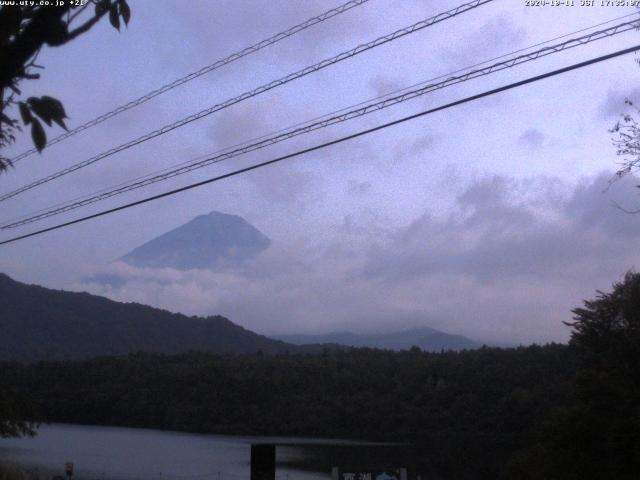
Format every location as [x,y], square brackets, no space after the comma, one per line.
[492,396]
[554,412]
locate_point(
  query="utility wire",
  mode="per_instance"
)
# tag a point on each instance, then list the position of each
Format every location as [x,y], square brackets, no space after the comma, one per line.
[309,127]
[330,143]
[388,94]
[198,73]
[344,109]
[264,88]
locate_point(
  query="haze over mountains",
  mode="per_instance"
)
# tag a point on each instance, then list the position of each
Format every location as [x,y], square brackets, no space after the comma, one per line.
[42,324]
[426,338]
[216,241]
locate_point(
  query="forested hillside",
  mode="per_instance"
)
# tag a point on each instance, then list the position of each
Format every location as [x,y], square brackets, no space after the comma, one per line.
[42,324]
[560,412]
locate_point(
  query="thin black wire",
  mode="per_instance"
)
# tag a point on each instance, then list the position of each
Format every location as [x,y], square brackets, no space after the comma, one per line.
[330,143]
[264,88]
[309,127]
[193,75]
[246,142]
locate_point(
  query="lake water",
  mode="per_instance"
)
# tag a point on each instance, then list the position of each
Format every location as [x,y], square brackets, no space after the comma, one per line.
[128,453]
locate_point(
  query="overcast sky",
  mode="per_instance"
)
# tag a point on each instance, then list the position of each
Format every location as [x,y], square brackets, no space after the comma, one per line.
[492,219]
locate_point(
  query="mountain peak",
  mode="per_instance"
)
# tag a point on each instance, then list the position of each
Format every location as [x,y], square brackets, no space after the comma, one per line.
[213,241]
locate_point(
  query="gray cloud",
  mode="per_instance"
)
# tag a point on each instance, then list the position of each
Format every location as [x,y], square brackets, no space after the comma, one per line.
[359,188]
[504,264]
[496,36]
[499,231]
[500,257]
[614,104]
[382,85]
[595,206]
[214,30]
[532,138]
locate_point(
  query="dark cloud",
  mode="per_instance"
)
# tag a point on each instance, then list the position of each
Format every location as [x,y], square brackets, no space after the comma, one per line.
[213,30]
[495,37]
[500,257]
[382,85]
[242,122]
[288,185]
[498,231]
[508,262]
[532,138]
[425,141]
[359,188]
[601,204]
[614,105]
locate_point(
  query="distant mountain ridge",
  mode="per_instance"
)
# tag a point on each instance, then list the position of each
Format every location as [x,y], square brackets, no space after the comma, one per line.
[38,323]
[428,339]
[217,241]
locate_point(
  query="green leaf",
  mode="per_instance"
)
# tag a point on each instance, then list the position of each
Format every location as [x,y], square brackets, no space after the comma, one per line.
[113,16]
[40,108]
[38,135]
[25,113]
[125,11]
[49,109]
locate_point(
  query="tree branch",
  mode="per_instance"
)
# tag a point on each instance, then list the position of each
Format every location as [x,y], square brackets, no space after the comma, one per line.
[80,10]
[85,27]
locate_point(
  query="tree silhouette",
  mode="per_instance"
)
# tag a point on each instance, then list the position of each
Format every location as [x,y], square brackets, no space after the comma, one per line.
[606,336]
[24,30]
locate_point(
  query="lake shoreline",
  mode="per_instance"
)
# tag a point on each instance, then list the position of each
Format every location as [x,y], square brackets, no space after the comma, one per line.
[125,453]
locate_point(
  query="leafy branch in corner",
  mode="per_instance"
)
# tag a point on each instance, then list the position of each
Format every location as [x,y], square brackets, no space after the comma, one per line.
[627,141]
[24,30]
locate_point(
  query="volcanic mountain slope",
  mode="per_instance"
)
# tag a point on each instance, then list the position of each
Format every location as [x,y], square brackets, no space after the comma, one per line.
[216,241]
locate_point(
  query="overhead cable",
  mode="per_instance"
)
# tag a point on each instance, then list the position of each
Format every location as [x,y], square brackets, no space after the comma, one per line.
[325,122]
[327,144]
[198,73]
[264,88]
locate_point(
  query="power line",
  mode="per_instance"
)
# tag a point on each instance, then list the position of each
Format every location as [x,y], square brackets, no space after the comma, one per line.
[246,142]
[264,88]
[330,143]
[394,92]
[333,120]
[198,73]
